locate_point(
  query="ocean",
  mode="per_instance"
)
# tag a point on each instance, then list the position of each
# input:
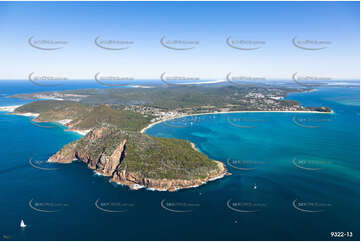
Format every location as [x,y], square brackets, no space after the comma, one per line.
[295,176]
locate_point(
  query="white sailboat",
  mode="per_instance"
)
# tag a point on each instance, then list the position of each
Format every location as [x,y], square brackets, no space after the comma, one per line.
[255,186]
[22,224]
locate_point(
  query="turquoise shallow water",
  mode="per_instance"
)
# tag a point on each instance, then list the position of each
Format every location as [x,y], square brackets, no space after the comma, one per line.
[309,159]
[294,177]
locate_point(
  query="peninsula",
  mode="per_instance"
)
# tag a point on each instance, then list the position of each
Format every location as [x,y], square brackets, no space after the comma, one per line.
[113,122]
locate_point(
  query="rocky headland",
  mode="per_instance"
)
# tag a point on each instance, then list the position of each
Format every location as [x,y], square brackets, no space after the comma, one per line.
[138,160]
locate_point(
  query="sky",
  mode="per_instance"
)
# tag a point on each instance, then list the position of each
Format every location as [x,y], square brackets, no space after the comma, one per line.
[270,27]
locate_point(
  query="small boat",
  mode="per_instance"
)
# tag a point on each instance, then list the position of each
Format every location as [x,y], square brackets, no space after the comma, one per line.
[255,186]
[22,224]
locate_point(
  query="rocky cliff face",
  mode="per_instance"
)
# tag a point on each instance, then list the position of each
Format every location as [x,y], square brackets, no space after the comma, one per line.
[108,165]
[130,179]
[135,159]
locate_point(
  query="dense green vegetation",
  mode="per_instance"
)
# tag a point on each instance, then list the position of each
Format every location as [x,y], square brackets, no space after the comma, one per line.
[165,158]
[176,97]
[147,156]
[117,115]
[103,114]
[85,116]
[171,98]
[189,99]
[44,106]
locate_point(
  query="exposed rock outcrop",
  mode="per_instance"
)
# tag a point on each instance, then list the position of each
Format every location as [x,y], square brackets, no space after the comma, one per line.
[129,178]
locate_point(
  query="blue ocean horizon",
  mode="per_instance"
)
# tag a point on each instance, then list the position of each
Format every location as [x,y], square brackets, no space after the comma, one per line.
[295,176]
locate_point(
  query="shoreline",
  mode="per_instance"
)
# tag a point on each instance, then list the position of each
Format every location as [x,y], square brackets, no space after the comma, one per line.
[61,122]
[174,184]
[35,115]
[78,131]
[194,146]
[10,108]
[199,114]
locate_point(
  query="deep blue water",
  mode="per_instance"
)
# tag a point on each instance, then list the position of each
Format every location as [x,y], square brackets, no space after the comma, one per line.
[305,161]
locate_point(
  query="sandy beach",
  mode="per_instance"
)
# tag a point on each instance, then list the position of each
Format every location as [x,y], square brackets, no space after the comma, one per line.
[79,131]
[194,146]
[27,114]
[84,132]
[199,114]
[9,108]
[63,122]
